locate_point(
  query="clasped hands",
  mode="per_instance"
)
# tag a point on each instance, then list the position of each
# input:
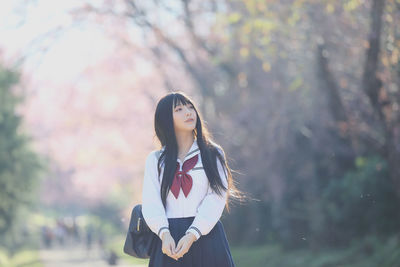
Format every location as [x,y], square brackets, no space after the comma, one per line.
[183,246]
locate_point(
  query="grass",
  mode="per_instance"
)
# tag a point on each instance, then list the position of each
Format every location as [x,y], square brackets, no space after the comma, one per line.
[370,252]
[23,258]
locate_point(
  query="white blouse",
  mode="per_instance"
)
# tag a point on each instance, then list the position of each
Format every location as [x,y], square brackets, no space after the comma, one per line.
[202,203]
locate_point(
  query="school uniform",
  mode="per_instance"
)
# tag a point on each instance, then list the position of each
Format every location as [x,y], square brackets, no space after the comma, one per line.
[191,207]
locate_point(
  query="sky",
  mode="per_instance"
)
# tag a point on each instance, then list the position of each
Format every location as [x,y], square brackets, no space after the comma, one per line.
[44,30]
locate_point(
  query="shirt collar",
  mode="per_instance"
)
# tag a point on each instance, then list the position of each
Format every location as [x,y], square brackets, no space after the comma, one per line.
[194,150]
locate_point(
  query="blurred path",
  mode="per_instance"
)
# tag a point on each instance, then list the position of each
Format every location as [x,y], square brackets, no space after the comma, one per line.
[77,256]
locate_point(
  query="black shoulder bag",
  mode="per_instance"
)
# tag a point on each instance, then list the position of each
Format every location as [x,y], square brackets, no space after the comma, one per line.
[139,239]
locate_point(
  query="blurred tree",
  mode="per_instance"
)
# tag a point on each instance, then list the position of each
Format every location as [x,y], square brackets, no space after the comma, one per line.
[352,205]
[301,89]
[19,165]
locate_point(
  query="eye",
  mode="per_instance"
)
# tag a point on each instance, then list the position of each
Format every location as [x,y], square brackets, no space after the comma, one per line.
[178,109]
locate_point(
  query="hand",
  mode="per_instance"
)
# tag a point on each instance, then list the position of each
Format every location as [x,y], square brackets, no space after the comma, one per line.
[168,245]
[184,245]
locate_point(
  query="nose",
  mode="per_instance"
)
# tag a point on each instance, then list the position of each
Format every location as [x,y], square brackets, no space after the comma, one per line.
[188,111]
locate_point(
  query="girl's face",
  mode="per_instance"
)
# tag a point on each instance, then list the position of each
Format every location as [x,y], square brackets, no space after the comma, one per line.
[184,117]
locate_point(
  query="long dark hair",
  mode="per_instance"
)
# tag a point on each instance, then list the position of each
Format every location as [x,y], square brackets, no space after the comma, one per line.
[164,127]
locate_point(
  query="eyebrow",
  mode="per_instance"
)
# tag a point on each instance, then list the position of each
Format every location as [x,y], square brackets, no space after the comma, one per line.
[180,105]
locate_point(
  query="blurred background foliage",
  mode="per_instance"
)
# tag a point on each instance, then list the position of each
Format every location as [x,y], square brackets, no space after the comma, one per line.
[304,97]
[20,165]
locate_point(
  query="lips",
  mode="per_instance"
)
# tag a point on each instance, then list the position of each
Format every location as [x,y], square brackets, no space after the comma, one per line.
[189,120]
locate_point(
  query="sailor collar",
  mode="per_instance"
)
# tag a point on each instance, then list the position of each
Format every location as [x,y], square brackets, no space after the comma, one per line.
[194,150]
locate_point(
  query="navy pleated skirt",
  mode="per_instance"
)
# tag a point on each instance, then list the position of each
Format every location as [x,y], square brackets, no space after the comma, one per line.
[211,250]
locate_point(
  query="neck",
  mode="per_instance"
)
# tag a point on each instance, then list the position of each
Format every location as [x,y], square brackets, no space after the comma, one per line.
[185,141]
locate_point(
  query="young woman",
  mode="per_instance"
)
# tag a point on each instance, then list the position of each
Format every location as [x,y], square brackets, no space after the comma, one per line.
[187,184]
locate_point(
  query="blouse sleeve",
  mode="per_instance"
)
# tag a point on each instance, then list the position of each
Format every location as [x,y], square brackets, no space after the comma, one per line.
[152,208]
[211,208]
